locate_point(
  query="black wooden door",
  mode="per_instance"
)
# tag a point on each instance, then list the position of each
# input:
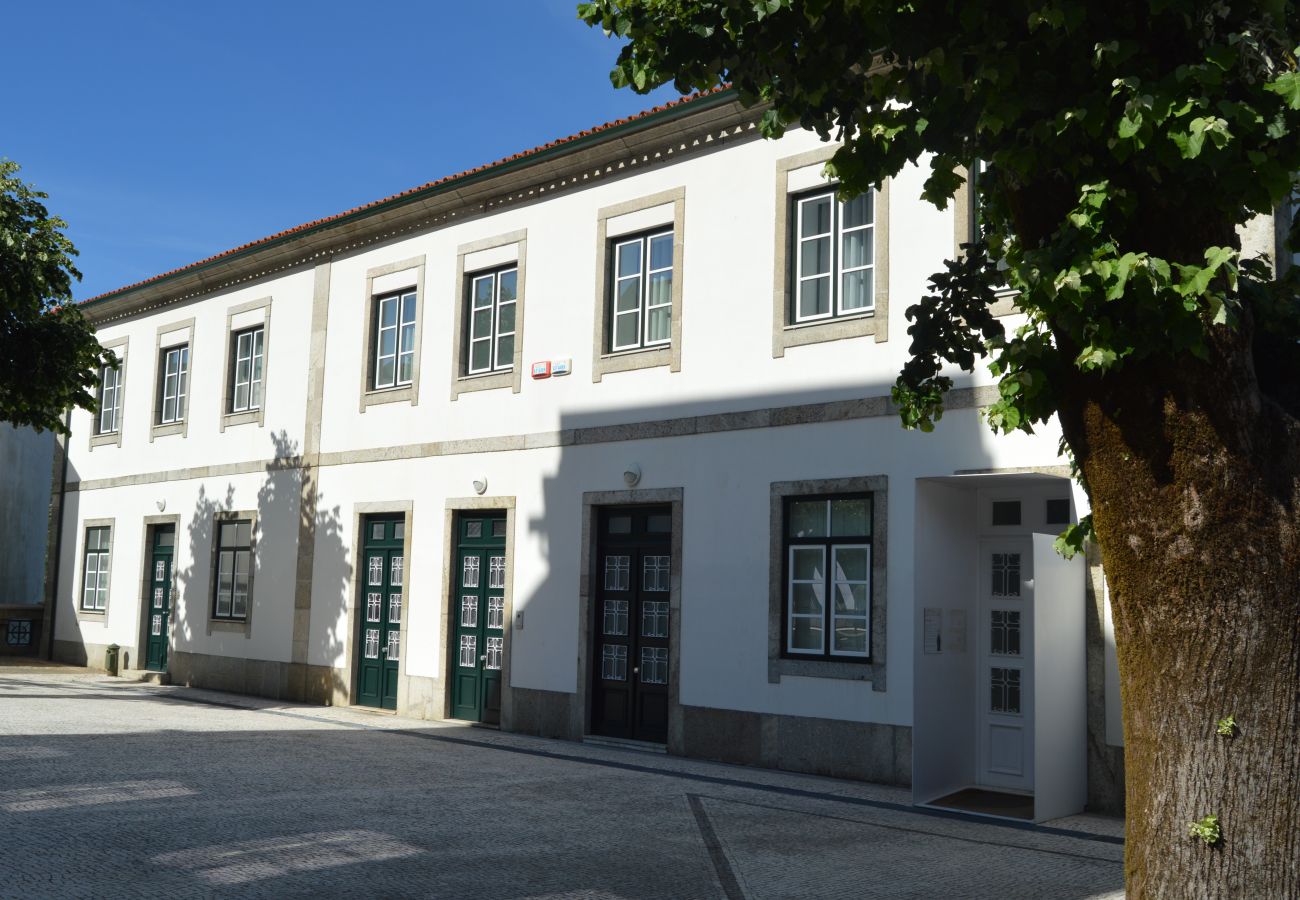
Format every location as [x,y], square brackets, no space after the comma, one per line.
[631,650]
[379,636]
[478,609]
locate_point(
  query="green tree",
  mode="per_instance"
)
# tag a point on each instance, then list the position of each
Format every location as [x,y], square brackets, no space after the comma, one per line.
[1126,142]
[49,358]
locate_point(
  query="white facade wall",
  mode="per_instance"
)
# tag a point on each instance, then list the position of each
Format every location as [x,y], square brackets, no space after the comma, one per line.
[727,366]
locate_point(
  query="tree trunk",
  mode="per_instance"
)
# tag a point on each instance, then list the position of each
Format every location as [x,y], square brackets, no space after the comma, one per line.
[1194,478]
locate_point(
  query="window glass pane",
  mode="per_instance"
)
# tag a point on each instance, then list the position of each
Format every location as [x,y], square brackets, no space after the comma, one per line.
[857,290]
[807,518]
[620,525]
[661,251]
[388,312]
[241,396]
[628,296]
[165,538]
[506,318]
[806,634]
[228,534]
[509,285]
[408,339]
[658,325]
[629,258]
[851,517]
[404,367]
[625,331]
[399,531]
[388,342]
[499,528]
[659,524]
[169,410]
[816,257]
[481,323]
[859,210]
[807,564]
[850,636]
[377,531]
[244,533]
[386,372]
[851,599]
[661,289]
[816,216]
[815,297]
[408,308]
[1006,512]
[505,351]
[807,599]
[482,292]
[1058,512]
[850,563]
[856,249]
[479,354]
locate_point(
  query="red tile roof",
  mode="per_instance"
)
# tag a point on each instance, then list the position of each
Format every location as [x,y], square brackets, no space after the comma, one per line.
[681,101]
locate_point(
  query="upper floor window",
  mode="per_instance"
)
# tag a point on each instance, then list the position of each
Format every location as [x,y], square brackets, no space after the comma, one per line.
[94,594]
[834,256]
[110,400]
[490,337]
[394,350]
[247,352]
[642,291]
[175,370]
[827,543]
[234,569]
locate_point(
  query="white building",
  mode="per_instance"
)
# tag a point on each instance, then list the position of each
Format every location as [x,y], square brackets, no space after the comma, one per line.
[596,441]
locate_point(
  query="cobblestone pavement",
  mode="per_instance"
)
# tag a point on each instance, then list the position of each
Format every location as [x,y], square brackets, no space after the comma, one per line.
[111,789]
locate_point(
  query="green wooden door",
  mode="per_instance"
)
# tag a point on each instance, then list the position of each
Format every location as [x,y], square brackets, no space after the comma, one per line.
[379,635]
[630,646]
[478,609]
[158,602]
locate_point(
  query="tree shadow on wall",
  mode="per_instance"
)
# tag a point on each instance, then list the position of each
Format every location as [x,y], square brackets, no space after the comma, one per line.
[280,651]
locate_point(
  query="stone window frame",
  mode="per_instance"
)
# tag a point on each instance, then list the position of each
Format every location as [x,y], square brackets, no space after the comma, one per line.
[453,507]
[79,586]
[963,232]
[113,438]
[242,626]
[777,665]
[587,579]
[603,361]
[360,510]
[182,427]
[228,418]
[406,393]
[462,383]
[875,323]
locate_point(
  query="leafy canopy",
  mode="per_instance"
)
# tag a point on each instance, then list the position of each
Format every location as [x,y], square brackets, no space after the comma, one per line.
[49,358]
[1124,141]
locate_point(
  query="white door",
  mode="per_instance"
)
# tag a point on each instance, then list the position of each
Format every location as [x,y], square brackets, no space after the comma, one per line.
[1005,696]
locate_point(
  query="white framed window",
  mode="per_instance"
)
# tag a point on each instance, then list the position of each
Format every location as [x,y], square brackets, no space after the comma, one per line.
[234,569]
[828,576]
[642,291]
[110,400]
[834,250]
[394,350]
[175,376]
[248,349]
[490,336]
[94,592]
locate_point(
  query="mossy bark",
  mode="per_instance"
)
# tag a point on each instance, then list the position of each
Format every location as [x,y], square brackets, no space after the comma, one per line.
[1194,475]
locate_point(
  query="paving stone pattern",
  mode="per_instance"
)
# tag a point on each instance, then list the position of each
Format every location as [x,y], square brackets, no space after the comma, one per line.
[109,789]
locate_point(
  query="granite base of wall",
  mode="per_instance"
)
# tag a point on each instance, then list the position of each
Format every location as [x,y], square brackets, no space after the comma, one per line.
[548,714]
[77,653]
[1105,777]
[256,677]
[421,697]
[859,750]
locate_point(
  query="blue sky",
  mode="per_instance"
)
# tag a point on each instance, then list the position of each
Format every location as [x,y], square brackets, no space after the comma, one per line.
[165,132]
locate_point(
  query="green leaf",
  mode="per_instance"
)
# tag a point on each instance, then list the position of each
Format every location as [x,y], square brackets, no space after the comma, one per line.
[1286,86]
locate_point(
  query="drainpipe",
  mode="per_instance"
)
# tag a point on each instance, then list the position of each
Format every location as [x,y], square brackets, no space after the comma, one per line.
[53,599]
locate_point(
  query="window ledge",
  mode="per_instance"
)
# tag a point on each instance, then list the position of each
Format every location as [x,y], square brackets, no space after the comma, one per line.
[823,668]
[403,394]
[111,439]
[245,417]
[824,330]
[1005,305]
[640,358]
[170,428]
[92,615]
[485,381]
[234,625]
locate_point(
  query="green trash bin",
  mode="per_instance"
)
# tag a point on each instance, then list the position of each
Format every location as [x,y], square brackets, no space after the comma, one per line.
[110,658]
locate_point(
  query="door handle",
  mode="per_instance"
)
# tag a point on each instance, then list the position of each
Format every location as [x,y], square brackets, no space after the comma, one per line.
[483,658]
